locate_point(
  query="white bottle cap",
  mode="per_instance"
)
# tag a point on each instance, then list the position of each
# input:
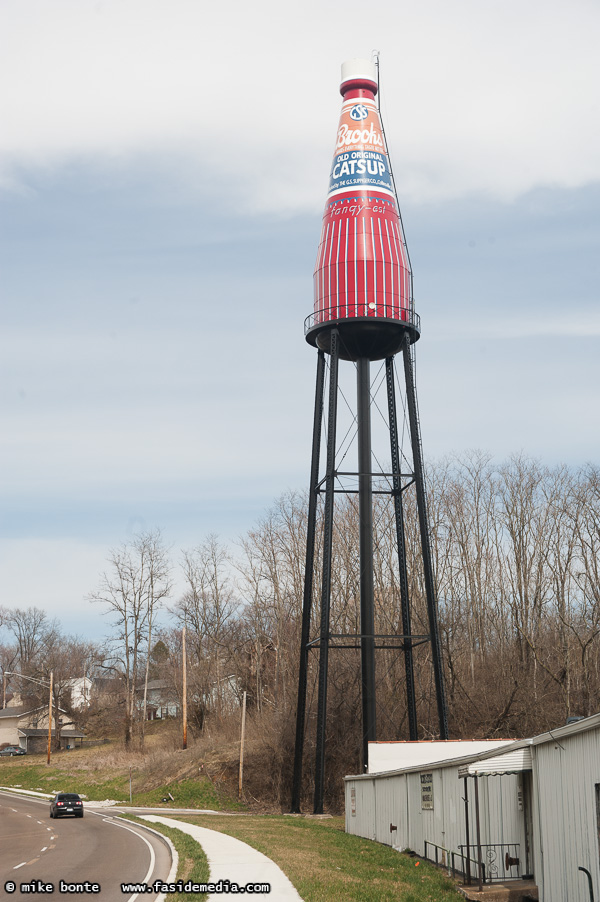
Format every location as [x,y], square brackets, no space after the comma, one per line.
[358,68]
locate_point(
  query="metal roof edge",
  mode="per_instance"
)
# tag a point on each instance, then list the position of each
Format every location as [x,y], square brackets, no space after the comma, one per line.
[571,729]
[580,726]
[447,762]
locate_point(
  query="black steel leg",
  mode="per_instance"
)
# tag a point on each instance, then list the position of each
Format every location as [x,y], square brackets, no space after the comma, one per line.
[415,435]
[326,581]
[308,584]
[400,539]
[365,510]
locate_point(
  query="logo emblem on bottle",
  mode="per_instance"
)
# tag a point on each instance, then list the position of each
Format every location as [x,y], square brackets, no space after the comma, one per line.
[359,112]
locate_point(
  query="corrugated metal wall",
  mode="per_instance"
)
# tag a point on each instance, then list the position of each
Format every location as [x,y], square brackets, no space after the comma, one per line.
[567,772]
[382,801]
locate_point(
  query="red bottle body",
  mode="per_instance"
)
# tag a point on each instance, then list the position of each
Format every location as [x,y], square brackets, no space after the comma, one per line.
[362,267]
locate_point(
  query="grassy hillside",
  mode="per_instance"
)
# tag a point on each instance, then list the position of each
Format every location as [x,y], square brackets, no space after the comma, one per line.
[194,777]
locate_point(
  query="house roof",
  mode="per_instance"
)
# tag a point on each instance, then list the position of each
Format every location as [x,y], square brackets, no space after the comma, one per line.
[65,731]
[163,686]
[156,684]
[17,711]
[23,710]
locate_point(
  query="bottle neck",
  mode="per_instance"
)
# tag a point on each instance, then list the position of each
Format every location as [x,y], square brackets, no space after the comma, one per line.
[359,94]
[359,88]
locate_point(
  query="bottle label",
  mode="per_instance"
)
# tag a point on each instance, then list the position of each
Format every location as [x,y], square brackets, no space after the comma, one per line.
[360,159]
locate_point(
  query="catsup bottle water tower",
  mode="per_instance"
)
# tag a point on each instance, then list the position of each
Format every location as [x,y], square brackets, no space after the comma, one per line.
[363,312]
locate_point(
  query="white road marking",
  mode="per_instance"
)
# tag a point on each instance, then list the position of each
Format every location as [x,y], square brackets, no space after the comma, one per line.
[17,866]
[152,856]
[44,849]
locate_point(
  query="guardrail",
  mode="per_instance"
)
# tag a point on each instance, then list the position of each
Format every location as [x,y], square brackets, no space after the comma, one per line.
[343,313]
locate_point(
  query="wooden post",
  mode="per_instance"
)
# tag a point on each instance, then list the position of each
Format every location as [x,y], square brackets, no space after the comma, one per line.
[241,779]
[50,718]
[184,690]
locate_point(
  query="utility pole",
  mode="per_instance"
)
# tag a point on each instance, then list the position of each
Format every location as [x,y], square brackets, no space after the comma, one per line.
[50,718]
[184,691]
[241,777]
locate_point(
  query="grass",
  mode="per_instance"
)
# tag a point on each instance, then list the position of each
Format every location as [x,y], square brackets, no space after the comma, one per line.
[86,773]
[192,865]
[325,864]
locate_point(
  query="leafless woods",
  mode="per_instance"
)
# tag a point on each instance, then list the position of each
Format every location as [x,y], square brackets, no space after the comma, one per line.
[516,549]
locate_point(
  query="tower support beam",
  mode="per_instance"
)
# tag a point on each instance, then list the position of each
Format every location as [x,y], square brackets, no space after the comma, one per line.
[326,580]
[415,435]
[401,543]
[313,498]
[365,516]
[368,640]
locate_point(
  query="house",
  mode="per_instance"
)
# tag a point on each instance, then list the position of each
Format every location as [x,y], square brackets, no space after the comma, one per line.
[224,694]
[527,810]
[80,689]
[28,728]
[162,700]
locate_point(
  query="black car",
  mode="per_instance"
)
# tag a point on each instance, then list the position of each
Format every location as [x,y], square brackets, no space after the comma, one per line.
[11,750]
[66,803]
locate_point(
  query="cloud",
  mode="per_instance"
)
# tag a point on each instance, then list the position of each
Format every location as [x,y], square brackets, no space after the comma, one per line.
[58,575]
[54,575]
[493,98]
[572,324]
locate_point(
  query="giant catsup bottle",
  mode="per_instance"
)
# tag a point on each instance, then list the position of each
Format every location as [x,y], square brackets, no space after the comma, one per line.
[362,267]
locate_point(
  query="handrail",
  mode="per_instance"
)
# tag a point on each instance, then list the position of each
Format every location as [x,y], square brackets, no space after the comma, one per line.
[590,884]
[445,857]
[400,316]
[498,860]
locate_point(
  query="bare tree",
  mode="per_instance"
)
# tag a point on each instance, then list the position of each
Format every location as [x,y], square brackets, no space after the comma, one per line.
[133,590]
[67,657]
[206,608]
[31,630]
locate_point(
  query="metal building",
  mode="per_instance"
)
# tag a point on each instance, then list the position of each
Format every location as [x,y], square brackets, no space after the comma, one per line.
[536,801]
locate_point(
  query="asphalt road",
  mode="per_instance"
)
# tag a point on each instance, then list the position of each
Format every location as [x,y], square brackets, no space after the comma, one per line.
[97,849]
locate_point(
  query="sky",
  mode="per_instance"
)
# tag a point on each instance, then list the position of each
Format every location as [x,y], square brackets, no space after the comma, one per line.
[163,172]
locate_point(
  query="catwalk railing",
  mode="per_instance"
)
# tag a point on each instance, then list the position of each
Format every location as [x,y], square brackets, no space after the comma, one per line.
[343,313]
